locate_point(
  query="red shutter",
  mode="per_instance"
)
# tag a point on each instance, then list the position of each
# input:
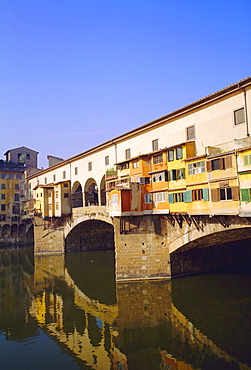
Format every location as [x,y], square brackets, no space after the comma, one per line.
[228,161]
[222,163]
[209,166]
[215,195]
[235,193]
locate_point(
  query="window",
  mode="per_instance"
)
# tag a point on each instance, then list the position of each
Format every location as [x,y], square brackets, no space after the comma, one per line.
[216,164]
[11,176]
[179,153]
[54,177]
[19,176]
[107,160]
[45,180]
[239,116]
[197,194]
[114,199]
[57,207]
[159,197]
[16,210]
[135,164]
[89,166]
[128,154]
[178,174]
[2,196]
[76,170]
[3,176]
[66,195]
[220,163]
[16,197]
[155,145]
[56,194]
[123,166]
[190,132]
[147,198]
[247,160]
[3,207]
[144,180]
[16,186]
[157,158]
[66,185]
[226,194]
[170,155]
[64,174]
[195,168]
[3,186]
[245,195]
[160,176]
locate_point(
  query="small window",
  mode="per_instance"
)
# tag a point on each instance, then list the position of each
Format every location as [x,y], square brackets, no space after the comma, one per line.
[28,156]
[2,196]
[3,186]
[239,116]
[128,154]
[135,164]
[64,174]
[16,186]
[3,176]
[66,185]
[57,207]
[157,158]
[226,193]
[179,153]
[45,180]
[114,199]
[66,195]
[54,177]
[76,170]
[155,145]
[190,133]
[170,155]
[147,198]
[3,207]
[11,176]
[247,160]
[107,160]
[216,164]
[19,176]
[89,166]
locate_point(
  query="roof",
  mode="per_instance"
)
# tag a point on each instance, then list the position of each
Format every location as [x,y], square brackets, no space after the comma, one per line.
[21,147]
[236,87]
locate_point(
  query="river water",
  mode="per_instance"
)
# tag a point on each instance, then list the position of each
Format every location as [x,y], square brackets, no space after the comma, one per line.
[67,312]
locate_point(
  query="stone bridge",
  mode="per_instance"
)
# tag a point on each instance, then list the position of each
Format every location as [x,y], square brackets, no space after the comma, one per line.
[152,246]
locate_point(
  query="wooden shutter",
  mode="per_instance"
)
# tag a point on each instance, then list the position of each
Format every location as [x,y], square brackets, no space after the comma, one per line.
[166,176]
[228,161]
[215,195]
[187,196]
[245,195]
[222,163]
[235,193]
[170,198]
[209,166]
[205,194]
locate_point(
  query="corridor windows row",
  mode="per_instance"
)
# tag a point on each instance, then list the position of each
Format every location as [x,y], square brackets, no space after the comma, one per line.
[226,193]
[173,154]
[195,168]
[11,176]
[189,196]
[221,163]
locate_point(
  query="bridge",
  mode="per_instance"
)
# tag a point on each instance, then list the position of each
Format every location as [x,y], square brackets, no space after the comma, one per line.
[162,195]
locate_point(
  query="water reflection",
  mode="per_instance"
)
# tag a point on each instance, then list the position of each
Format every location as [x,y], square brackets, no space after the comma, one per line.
[199,322]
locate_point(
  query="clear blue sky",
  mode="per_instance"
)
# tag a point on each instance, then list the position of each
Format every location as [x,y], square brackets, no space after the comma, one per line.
[75,73]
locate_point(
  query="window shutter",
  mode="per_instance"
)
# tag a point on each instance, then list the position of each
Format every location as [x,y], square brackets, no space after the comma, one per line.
[183,173]
[239,116]
[187,196]
[166,176]
[170,198]
[215,195]
[209,166]
[245,195]
[222,163]
[228,161]
[235,193]
[205,194]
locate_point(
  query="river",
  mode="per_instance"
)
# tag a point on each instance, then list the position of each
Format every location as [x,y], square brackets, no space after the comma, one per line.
[67,312]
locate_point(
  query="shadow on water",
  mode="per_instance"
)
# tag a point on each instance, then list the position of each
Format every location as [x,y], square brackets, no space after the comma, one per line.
[94,274]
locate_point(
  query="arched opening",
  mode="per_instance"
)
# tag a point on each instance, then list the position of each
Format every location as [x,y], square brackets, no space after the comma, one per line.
[22,230]
[30,234]
[91,193]
[90,235]
[77,195]
[102,192]
[14,230]
[226,250]
[6,231]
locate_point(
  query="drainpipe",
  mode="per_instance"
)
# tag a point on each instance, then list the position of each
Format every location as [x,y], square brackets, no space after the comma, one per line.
[245,108]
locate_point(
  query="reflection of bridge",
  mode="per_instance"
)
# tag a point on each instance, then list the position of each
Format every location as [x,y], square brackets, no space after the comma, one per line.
[93,336]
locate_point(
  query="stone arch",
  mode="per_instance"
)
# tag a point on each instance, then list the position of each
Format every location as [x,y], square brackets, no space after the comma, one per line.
[76,195]
[102,192]
[91,193]
[6,231]
[22,230]
[30,234]
[14,230]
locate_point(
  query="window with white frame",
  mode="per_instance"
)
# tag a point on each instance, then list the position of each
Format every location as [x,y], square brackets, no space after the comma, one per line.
[155,145]
[114,199]
[195,168]
[147,198]
[159,197]
[107,160]
[135,164]
[190,132]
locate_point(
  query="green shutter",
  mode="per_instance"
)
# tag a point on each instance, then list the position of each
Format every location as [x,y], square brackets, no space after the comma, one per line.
[205,194]
[183,173]
[187,196]
[245,195]
[170,198]
[166,176]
